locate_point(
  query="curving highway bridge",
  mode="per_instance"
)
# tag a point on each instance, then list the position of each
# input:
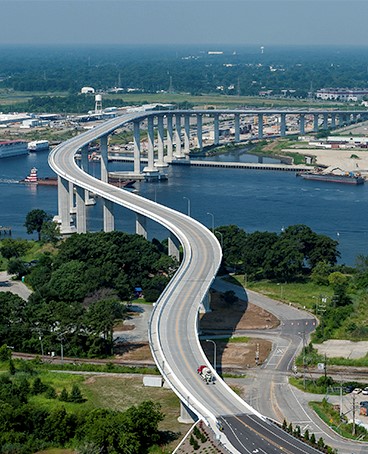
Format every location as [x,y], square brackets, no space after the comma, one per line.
[173,328]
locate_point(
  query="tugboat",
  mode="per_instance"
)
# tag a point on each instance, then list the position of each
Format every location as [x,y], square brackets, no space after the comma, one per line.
[32,178]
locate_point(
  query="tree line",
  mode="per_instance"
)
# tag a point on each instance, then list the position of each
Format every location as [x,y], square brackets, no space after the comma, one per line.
[80,290]
[27,425]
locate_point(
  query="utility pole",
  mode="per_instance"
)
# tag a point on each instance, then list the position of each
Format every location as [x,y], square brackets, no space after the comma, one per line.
[353,431]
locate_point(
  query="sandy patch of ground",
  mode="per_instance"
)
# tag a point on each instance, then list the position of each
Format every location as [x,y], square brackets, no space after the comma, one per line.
[334,348]
[237,316]
[337,158]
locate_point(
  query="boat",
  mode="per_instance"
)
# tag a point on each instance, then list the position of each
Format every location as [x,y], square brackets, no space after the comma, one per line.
[331,177]
[38,145]
[11,148]
[122,183]
[33,179]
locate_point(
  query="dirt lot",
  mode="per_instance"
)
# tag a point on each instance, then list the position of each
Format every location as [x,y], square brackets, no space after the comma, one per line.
[223,318]
[237,316]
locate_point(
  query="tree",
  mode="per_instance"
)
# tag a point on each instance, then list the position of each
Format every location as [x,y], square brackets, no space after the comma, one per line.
[76,395]
[50,232]
[14,248]
[64,396]
[17,267]
[35,220]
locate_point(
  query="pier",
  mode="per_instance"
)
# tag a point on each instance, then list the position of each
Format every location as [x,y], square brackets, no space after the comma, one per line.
[243,165]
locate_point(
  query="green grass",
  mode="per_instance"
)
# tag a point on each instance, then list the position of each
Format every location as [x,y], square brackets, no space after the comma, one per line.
[310,386]
[304,295]
[332,418]
[232,340]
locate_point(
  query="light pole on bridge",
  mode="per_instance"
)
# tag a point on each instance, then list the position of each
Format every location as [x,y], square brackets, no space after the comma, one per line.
[188,200]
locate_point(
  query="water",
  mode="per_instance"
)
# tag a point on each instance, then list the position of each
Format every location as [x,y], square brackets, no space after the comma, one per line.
[254,200]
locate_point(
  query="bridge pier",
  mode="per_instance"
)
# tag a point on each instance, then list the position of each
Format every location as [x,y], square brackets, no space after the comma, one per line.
[64,207]
[199,132]
[141,225]
[108,216]
[88,200]
[302,124]
[150,166]
[315,122]
[174,245]
[206,304]
[283,125]
[186,414]
[186,134]
[260,126]
[216,130]
[169,138]
[72,205]
[178,151]
[137,147]
[160,142]
[81,210]
[325,121]
[237,128]
[333,121]
[104,161]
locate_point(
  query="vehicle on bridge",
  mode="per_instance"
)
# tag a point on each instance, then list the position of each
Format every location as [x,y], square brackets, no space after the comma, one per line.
[206,374]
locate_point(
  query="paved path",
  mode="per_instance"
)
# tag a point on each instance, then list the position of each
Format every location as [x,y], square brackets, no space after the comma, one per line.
[267,388]
[16,287]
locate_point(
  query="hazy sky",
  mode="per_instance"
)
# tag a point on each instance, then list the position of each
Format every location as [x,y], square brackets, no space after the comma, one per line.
[261,22]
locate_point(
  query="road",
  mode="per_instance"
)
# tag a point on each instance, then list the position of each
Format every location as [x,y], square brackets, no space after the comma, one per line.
[279,399]
[173,326]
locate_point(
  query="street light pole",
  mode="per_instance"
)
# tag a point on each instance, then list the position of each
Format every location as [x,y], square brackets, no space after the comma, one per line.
[214,352]
[188,199]
[221,238]
[213,221]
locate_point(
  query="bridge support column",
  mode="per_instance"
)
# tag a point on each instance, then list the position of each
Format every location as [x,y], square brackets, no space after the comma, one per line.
[169,138]
[206,304]
[72,205]
[325,121]
[315,122]
[140,225]
[237,128]
[160,142]
[174,245]
[186,134]
[260,126]
[216,130]
[186,414]
[150,166]
[333,120]
[302,124]
[283,125]
[81,210]
[199,132]
[64,206]
[137,147]
[84,165]
[104,161]
[108,215]
[178,151]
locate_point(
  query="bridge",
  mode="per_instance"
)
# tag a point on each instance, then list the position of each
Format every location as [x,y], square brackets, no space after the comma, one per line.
[173,327]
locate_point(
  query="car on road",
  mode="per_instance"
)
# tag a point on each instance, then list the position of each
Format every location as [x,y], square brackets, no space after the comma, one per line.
[365,391]
[357,391]
[364,403]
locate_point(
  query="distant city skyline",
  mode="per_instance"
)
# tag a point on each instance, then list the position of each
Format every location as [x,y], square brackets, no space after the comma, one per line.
[207,22]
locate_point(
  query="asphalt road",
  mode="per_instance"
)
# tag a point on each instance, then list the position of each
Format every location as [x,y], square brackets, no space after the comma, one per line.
[173,327]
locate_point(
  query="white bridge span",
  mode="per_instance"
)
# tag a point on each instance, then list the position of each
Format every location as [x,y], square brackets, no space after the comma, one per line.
[173,328]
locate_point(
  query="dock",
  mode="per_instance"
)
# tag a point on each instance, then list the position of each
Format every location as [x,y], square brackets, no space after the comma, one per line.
[243,165]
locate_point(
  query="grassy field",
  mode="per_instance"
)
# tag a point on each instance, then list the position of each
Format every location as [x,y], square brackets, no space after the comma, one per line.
[304,295]
[331,417]
[113,392]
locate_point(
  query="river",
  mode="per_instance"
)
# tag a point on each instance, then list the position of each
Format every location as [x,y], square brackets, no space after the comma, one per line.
[252,199]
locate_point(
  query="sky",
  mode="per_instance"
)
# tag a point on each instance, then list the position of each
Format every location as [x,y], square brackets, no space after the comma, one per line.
[242,22]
